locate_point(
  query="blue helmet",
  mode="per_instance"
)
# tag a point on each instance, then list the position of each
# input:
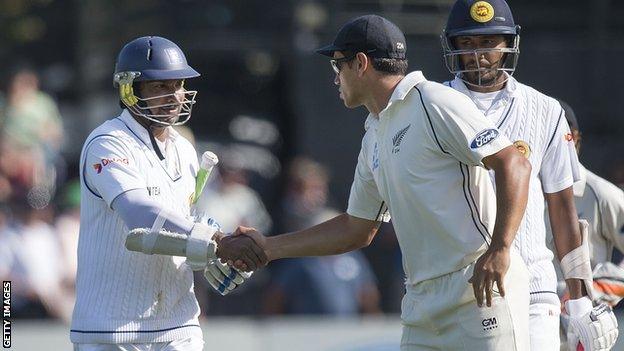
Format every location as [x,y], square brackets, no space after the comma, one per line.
[479,17]
[153,58]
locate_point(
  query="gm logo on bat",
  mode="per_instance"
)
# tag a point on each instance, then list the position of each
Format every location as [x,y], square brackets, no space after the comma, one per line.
[483,138]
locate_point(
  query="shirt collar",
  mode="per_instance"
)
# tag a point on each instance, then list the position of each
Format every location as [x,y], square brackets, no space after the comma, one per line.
[141,132]
[400,92]
[510,90]
[579,187]
[405,86]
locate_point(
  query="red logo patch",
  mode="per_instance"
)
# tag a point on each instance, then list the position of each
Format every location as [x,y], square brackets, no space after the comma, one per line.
[107,161]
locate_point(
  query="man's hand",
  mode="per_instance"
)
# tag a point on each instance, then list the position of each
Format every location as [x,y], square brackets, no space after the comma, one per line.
[490,268]
[590,329]
[245,252]
[256,236]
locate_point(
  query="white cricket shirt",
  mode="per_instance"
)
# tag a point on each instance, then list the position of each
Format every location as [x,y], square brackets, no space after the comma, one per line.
[421,156]
[602,204]
[536,124]
[124,296]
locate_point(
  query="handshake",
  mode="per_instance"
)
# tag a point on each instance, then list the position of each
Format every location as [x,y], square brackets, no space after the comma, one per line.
[237,256]
[227,260]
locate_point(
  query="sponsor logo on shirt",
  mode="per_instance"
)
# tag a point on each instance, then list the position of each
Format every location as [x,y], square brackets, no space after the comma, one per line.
[107,161]
[398,138]
[375,157]
[484,138]
[153,190]
[97,167]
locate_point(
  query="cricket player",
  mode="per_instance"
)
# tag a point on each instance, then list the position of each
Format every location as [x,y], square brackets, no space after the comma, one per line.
[423,159]
[138,172]
[602,205]
[481,48]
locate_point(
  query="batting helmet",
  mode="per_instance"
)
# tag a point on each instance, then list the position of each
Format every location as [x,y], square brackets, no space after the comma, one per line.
[153,58]
[472,18]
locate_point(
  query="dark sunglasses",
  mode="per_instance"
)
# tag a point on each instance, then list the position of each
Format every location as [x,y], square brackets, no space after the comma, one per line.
[337,63]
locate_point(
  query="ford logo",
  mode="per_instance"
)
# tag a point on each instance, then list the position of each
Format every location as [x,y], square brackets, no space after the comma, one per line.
[483,138]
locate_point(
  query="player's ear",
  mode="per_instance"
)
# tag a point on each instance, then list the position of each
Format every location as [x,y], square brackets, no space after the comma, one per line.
[363,61]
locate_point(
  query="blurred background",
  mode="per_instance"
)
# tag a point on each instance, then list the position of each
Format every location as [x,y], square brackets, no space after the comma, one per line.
[268,107]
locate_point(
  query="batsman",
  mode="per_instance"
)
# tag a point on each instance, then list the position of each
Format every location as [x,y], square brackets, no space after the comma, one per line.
[135,291]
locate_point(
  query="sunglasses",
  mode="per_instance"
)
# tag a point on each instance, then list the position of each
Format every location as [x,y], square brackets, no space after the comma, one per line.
[337,63]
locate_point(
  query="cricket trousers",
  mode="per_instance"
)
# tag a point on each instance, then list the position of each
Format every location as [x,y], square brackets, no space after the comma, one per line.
[442,313]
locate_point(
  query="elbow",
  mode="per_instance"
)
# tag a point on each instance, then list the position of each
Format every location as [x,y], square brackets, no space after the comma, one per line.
[520,166]
[363,241]
[525,165]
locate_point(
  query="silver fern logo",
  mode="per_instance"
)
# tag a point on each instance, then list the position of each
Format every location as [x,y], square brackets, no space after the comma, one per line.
[398,138]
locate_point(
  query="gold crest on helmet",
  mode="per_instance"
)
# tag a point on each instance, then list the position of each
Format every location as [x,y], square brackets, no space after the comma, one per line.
[482,11]
[523,147]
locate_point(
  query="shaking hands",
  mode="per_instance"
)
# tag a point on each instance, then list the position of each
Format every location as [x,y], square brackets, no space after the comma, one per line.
[244,249]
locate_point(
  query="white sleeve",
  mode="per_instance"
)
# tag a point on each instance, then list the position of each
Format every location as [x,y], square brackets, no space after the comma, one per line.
[560,165]
[138,210]
[612,216]
[364,199]
[110,169]
[461,130]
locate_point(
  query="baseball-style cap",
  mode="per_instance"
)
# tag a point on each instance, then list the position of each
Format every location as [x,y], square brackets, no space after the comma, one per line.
[372,34]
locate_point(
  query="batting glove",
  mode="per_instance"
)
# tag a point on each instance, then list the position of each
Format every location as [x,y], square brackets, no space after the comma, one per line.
[224,278]
[590,328]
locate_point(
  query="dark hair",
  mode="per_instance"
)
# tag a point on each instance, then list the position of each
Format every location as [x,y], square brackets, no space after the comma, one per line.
[385,66]
[388,66]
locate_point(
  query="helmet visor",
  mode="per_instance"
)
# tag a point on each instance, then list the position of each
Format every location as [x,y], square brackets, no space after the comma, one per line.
[476,74]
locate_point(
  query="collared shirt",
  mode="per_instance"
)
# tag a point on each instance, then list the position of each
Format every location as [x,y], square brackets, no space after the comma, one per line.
[124,296]
[602,204]
[422,157]
[537,126]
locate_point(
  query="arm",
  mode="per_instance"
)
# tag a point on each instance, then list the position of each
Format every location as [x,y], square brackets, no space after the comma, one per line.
[566,232]
[512,172]
[338,235]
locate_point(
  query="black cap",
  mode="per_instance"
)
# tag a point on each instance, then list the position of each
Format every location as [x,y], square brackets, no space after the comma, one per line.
[372,34]
[570,115]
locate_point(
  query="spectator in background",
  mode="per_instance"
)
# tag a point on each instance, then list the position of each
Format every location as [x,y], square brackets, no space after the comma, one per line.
[32,261]
[32,118]
[341,285]
[32,136]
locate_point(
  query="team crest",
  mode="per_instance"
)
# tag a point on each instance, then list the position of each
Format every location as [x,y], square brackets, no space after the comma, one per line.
[523,147]
[482,11]
[398,138]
